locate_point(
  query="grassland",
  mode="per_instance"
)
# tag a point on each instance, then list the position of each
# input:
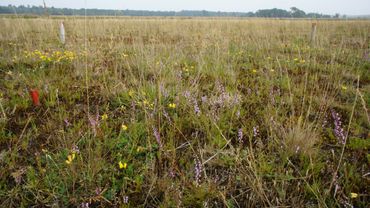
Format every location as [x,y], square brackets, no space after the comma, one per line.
[167,112]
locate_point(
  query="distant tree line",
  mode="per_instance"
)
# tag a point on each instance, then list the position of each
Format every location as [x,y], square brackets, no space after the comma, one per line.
[275,13]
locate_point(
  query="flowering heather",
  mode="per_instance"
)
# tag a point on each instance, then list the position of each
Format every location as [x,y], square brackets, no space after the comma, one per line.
[157,136]
[204,99]
[75,149]
[165,114]
[66,122]
[240,136]
[338,129]
[325,121]
[125,199]
[163,91]
[84,205]
[94,122]
[196,108]
[187,95]
[255,131]
[197,170]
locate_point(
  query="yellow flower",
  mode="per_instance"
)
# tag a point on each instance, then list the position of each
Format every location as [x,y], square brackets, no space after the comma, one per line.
[138,149]
[70,158]
[122,165]
[124,127]
[354,195]
[296,59]
[272,70]
[172,105]
[344,87]
[303,61]
[131,93]
[104,116]
[254,70]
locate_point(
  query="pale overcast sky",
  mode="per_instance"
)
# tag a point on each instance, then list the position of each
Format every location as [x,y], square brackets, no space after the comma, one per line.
[350,7]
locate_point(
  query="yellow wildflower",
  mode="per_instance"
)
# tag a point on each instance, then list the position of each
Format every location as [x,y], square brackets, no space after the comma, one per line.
[254,70]
[131,93]
[344,87]
[172,105]
[104,116]
[122,165]
[70,158]
[354,195]
[124,127]
[139,149]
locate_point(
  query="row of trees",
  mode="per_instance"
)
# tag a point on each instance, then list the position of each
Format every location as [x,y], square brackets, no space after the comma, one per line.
[279,13]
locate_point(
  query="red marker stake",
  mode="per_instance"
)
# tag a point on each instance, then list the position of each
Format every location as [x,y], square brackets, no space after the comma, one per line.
[35,97]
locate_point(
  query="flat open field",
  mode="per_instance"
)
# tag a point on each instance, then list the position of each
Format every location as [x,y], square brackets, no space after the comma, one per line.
[170,112]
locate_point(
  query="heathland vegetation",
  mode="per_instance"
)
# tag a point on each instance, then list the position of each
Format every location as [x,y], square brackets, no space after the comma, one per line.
[184,112]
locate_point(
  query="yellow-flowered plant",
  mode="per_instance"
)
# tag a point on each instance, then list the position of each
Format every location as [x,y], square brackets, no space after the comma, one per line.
[172,105]
[56,56]
[124,127]
[70,158]
[122,165]
[104,116]
[354,195]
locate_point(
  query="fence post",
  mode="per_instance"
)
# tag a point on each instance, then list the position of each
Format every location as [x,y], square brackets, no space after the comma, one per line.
[313,34]
[62,33]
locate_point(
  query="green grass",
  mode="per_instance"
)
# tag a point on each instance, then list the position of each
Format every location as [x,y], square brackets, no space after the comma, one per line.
[256,77]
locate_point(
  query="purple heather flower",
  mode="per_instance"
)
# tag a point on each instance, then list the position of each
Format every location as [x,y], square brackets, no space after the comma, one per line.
[187,94]
[240,136]
[198,170]
[75,149]
[338,130]
[84,205]
[325,121]
[94,122]
[196,108]
[255,131]
[125,199]
[172,174]
[157,136]
[238,113]
[204,99]
[66,122]
[166,115]
[98,191]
